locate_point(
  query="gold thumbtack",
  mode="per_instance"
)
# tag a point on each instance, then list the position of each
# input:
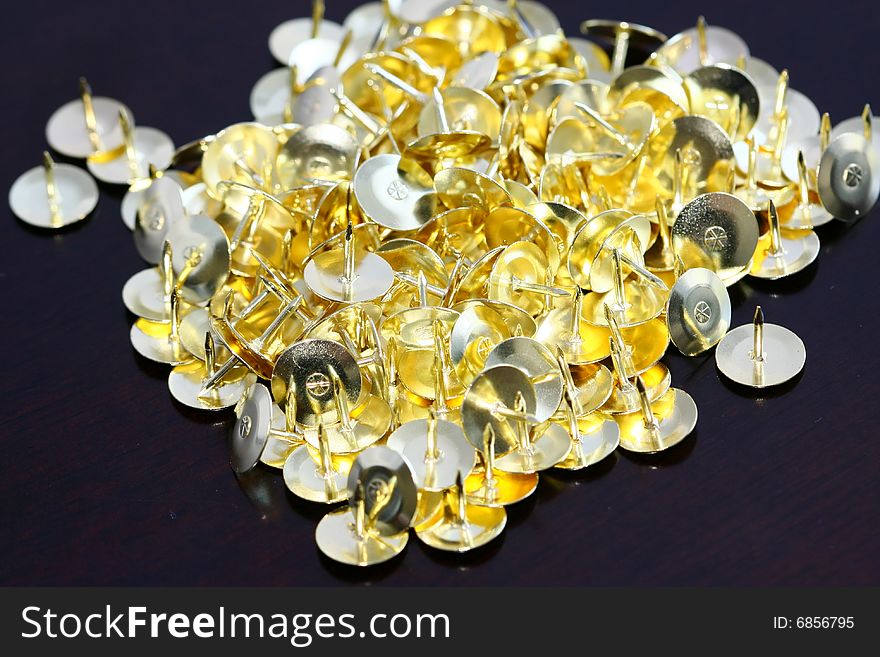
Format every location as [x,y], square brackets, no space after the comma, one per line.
[53,195]
[324,481]
[657,427]
[760,355]
[161,342]
[785,255]
[464,526]
[375,526]
[185,382]
[487,486]
[436,449]
[593,438]
[253,428]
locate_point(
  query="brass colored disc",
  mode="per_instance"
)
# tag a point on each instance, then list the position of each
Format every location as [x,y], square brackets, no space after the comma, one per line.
[321,152]
[706,150]
[636,122]
[304,478]
[641,38]
[467,110]
[250,433]
[311,55]
[241,153]
[804,118]
[459,188]
[348,320]
[455,454]
[592,93]
[598,63]
[477,330]
[144,296]
[416,372]
[716,231]
[152,147]
[588,240]
[784,356]
[644,303]
[520,263]
[682,51]
[698,311]
[474,28]
[160,208]
[395,193]
[562,220]
[713,92]
[539,364]
[76,196]
[414,328]
[798,253]
[590,345]
[185,384]
[676,415]
[66,130]
[518,321]
[505,488]
[194,325]
[153,341]
[506,225]
[428,511]
[598,436]
[409,256]
[307,363]
[336,538]
[199,239]
[493,387]
[477,73]
[657,381]
[481,525]
[545,451]
[285,37]
[368,428]
[373,276]
[593,386]
[270,95]
[128,209]
[661,89]
[377,467]
[632,236]
[849,177]
[647,343]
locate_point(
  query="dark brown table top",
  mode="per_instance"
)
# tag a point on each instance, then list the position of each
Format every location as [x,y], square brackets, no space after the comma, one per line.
[108,481]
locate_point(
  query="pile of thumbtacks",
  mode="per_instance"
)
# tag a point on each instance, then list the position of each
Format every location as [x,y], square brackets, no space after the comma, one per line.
[454,245]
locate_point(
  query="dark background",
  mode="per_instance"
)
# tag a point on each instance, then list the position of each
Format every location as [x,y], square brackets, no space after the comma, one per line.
[107,481]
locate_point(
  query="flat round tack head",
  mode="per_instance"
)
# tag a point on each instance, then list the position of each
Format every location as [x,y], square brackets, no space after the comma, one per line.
[390,493]
[144,296]
[464,526]
[779,255]
[703,45]
[337,537]
[716,231]
[53,195]
[149,147]
[547,449]
[250,432]
[160,207]
[597,436]
[68,130]
[760,355]
[158,343]
[436,466]
[660,425]
[200,257]
[395,193]
[539,364]
[323,152]
[242,153]
[304,478]
[698,311]
[491,399]
[287,35]
[505,488]
[185,382]
[849,177]
[624,396]
[308,364]
[726,95]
